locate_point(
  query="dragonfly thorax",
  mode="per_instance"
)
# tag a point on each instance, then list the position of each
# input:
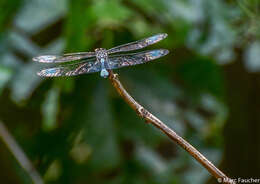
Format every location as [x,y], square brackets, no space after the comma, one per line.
[102,57]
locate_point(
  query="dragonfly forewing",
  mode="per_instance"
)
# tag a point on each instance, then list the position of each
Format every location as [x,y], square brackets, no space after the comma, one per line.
[64,58]
[138,44]
[122,60]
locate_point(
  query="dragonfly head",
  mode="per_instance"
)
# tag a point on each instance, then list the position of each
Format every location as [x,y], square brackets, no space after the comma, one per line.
[101,53]
[104,73]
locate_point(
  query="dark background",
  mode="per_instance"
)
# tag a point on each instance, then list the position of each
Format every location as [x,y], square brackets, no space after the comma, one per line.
[78,129]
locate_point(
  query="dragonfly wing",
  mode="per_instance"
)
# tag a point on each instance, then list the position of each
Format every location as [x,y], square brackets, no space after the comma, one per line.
[64,58]
[123,60]
[138,44]
[79,53]
[71,69]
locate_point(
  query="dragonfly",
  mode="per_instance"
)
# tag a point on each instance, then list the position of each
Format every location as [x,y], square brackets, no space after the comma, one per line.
[102,60]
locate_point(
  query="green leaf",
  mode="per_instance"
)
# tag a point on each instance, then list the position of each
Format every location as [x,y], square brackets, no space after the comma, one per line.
[44,13]
[8,10]
[80,20]
[252,57]
[202,75]
[151,160]
[100,132]
[50,109]
[5,75]
[110,12]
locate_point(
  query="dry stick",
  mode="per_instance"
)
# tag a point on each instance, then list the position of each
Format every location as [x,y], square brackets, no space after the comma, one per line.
[150,118]
[19,154]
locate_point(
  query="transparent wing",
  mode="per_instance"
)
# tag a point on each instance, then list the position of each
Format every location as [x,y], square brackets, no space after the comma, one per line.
[64,58]
[71,69]
[123,60]
[138,44]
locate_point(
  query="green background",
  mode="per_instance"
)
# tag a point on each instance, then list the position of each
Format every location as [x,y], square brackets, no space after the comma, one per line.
[78,129]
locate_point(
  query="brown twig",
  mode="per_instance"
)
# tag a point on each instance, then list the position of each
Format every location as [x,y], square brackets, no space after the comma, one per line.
[150,118]
[19,154]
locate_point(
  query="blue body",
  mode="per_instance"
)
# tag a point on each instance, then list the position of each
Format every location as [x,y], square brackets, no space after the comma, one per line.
[104,73]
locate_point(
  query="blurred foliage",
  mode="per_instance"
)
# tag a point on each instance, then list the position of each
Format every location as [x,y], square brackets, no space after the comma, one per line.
[78,129]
